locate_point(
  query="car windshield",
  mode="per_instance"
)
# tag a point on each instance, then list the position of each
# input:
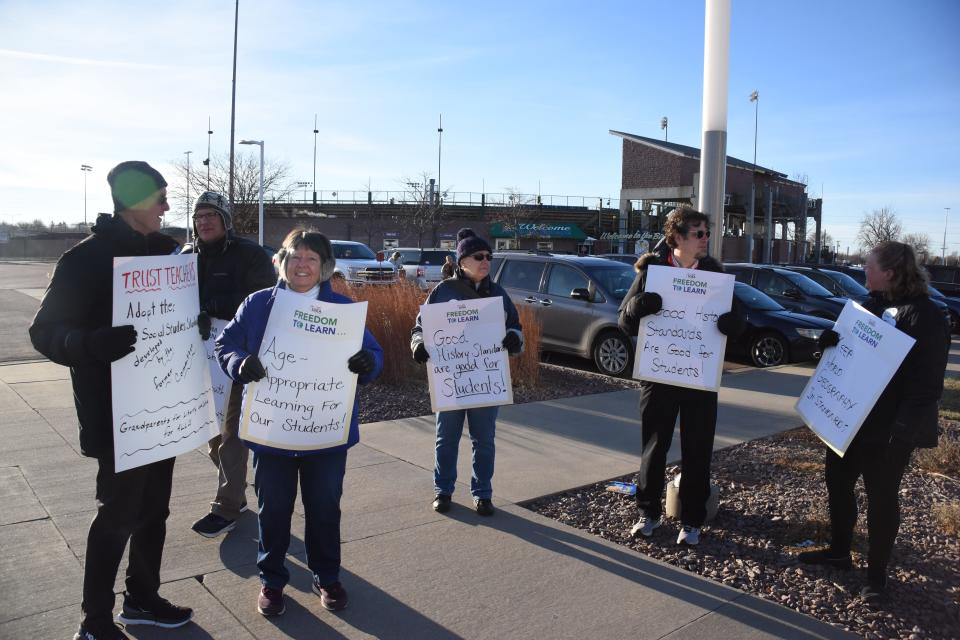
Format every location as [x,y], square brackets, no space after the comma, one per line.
[754,298]
[615,279]
[848,284]
[434,257]
[805,284]
[410,256]
[353,252]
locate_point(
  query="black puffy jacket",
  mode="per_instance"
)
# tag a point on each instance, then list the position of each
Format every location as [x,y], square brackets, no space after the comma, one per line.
[78,300]
[229,271]
[908,407]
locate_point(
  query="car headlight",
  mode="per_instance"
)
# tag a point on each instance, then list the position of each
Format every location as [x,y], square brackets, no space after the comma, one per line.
[813,334]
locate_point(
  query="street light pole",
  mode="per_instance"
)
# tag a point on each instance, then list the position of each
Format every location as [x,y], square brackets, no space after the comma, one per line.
[259,143]
[664,125]
[233,95]
[315,132]
[946,216]
[755,99]
[439,149]
[187,223]
[207,161]
[86,169]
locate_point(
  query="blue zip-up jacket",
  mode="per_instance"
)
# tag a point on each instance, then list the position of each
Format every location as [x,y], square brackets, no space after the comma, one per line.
[242,336]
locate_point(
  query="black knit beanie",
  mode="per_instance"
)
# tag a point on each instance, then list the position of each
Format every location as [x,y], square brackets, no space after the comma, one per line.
[469,243]
[132,183]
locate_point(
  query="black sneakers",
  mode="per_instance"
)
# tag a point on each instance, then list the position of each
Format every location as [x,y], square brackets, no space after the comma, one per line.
[105,631]
[441,503]
[484,506]
[270,602]
[333,597]
[155,611]
[212,525]
[828,558]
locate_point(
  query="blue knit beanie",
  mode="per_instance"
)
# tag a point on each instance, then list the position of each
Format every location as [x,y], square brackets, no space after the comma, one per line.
[469,243]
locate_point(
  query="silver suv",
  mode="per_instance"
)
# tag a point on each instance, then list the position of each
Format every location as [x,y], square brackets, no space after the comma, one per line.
[357,264]
[576,299]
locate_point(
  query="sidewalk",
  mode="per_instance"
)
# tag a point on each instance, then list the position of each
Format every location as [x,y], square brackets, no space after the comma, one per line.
[411,573]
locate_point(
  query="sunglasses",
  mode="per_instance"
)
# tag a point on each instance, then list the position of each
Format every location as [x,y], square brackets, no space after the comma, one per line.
[480,257]
[698,234]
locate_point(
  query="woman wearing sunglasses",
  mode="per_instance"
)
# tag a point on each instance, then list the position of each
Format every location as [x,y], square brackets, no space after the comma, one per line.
[471,279]
[686,238]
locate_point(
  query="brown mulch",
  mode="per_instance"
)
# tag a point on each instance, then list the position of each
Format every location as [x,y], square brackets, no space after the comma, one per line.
[773,505]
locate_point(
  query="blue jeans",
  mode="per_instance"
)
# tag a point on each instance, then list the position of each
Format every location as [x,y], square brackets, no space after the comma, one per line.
[321,481]
[483,425]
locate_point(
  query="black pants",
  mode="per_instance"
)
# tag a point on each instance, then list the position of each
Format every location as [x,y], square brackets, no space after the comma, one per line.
[882,466]
[659,406]
[134,505]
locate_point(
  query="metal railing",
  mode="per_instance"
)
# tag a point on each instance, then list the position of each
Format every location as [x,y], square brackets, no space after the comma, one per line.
[304,196]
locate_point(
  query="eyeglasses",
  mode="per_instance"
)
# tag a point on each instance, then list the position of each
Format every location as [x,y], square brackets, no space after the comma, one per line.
[699,233]
[200,217]
[480,257]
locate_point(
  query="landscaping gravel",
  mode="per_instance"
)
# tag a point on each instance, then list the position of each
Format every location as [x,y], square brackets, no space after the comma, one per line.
[392,402]
[774,505]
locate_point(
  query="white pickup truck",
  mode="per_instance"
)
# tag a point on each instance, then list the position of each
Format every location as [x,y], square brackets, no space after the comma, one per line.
[358,264]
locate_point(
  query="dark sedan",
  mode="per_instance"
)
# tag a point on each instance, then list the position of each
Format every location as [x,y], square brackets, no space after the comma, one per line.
[774,335]
[953,304]
[792,290]
[838,283]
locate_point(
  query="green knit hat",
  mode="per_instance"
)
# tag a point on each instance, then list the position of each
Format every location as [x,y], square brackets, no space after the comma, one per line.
[132,183]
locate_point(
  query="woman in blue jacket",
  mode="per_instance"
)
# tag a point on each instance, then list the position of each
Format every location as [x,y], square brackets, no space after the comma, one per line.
[306,265]
[471,279]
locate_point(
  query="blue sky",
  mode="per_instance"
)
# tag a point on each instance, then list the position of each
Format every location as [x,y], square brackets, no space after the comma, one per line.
[862,97]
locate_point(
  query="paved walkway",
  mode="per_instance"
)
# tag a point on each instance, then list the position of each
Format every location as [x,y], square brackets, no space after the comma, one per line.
[411,573]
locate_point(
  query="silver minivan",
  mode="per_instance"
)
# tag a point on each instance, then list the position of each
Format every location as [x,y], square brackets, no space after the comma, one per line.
[576,299]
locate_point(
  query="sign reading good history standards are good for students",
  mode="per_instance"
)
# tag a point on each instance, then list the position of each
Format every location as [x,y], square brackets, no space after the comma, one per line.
[162,400]
[680,345]
[306,400]
[851,376]
[468,365]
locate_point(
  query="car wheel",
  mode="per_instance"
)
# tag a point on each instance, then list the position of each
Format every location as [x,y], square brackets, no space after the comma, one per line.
[612,353]
[768,350]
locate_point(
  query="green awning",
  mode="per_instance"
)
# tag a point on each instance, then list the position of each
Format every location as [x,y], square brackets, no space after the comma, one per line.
[538,230]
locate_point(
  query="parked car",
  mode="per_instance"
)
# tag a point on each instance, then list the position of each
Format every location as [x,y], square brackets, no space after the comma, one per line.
[774,335]
[422,266]
[794,291]
[837,282]
[576,299]
[358,265]
[625,258]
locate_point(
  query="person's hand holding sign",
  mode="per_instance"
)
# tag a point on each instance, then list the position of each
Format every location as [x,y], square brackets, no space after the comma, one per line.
[251,369]
[511,342]
[829,338]
[109,344]
[362,362]
[420,354]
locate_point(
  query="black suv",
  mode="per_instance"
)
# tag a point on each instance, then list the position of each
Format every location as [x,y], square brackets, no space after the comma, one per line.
[794,291]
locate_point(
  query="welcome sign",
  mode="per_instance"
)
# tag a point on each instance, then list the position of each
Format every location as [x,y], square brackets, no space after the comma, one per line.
[163,404]
[680,345]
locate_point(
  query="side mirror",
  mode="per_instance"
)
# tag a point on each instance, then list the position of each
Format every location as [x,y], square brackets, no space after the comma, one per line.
[793,293]
[380,256]
[580,294]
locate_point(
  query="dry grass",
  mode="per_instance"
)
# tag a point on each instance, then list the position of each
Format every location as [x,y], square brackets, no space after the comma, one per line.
[803,466]
[947,516]
[950,401]
[392,312]
[945,458]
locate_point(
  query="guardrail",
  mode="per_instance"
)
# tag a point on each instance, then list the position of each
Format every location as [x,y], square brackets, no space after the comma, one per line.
[452,198]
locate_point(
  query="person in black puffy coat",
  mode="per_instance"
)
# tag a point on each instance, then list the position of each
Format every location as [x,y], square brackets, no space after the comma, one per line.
[686,238]
[905,417]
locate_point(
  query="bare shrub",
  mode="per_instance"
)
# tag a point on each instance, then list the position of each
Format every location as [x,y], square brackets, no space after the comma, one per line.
[947,516]
[525,368]
[945,458]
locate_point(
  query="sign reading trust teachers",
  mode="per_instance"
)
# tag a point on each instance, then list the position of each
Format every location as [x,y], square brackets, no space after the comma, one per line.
[680,345]
[306,400]
[851,376]
[162,399]
[468,366]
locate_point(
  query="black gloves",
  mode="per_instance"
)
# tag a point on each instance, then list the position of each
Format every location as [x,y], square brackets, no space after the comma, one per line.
[109,344]
[829,338]
[362,362]
[731,324]
[204,324]
[511,342]
[420,354]
[646,303]
[251,370]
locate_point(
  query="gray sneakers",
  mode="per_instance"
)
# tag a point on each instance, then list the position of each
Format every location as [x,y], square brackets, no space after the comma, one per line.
[645,526]
[689,536]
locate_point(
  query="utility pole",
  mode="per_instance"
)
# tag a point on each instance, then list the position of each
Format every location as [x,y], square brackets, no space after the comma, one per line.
[188,224]
[315,132]
[86,169]
[233,94]
[946,216]
[664,123]
[207,161]
[439,150]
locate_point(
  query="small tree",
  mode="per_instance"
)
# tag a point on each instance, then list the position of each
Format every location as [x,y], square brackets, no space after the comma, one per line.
[920,243]
[246,180]
[422,210]
[881,225]
[518,208]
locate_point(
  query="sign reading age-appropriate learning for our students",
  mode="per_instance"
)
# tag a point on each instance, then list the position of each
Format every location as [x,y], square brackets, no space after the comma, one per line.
[851,376]
[468,366]
[162,399]
[306,400]
[680,345]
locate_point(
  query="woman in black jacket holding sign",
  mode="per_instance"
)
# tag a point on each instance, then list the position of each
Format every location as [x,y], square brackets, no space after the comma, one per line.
[686,235]
[903,419]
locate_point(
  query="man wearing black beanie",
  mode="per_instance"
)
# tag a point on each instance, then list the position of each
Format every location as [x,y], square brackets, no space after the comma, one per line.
[73,328]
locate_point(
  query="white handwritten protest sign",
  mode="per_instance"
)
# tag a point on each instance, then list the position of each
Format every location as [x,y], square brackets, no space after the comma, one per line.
[220,381]
[851,376]
[162,400]
[468,365]
[680,344]
[306,400]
